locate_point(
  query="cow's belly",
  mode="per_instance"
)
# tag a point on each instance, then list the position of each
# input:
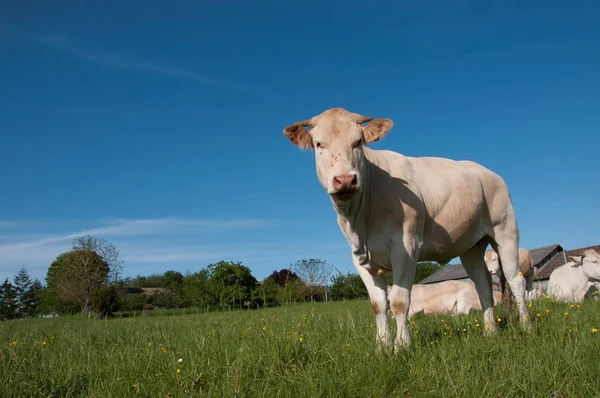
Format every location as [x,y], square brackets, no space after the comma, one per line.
[443,242]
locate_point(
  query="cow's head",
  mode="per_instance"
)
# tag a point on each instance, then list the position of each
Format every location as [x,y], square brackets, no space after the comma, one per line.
[338,137]
[491,261]
[590,261]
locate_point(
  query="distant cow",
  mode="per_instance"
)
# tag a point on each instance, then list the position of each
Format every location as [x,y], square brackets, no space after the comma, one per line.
[525,261]
[447,297]
[570,282]
[396,210]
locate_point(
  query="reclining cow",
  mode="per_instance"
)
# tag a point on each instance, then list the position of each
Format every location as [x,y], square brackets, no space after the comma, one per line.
[447,297]
[571,281]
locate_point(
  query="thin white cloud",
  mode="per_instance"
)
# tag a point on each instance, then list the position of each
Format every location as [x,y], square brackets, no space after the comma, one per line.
[140,241]
[140,227]
[66,43]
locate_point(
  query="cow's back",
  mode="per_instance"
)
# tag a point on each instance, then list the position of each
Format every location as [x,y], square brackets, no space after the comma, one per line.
[462,201]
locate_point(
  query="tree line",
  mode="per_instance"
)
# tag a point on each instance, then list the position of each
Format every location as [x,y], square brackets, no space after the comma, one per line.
[88,279]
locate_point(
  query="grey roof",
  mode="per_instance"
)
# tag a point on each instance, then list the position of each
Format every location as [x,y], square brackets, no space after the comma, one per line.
[541,256]
[558,259]
[447,272]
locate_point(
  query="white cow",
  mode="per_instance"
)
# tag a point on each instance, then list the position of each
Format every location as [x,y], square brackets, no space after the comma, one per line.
[447,297]
[396,210]
[571,281]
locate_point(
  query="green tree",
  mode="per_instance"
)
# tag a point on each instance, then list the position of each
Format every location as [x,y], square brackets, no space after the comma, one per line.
[197,289]
[424,269]
[283,276]
[26,295]
[164,299]
[8,301]
[75,275]
[133,302]
[231,282]
[347,287]
[315,274]
[293,291]
[105,301]
[266,292]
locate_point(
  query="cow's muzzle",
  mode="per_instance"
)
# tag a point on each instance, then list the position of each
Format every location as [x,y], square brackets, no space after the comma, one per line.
[344,186]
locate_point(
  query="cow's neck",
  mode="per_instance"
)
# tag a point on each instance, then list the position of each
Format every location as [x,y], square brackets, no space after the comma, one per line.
[357,210]
[354,217]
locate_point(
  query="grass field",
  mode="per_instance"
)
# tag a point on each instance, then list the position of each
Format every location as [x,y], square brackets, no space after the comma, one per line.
[305,350]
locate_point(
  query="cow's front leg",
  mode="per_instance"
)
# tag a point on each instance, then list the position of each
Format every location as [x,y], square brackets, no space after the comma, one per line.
[377,289]
[403,266]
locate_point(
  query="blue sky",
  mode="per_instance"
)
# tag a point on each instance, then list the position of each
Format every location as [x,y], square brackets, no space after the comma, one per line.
[158,125]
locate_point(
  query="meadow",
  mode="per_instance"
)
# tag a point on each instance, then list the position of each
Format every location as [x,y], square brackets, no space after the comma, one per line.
[303,350]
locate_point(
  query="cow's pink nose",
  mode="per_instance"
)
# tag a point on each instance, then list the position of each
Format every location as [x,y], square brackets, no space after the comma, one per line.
[345,182]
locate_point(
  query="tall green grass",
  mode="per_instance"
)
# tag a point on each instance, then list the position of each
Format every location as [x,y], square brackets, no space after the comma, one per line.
[306,350]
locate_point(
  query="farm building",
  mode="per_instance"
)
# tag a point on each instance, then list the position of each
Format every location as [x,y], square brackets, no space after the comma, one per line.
[147,291]
[546,259]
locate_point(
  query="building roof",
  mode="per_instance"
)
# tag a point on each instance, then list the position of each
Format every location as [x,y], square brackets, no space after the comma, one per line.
[147,291]
[446,272]
[558,259]
[541,255]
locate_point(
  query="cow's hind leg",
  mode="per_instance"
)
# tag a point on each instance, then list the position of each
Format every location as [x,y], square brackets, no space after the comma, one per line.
[507,248]
[474,264]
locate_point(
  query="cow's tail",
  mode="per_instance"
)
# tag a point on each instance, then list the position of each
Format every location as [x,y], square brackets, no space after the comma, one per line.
[507,296]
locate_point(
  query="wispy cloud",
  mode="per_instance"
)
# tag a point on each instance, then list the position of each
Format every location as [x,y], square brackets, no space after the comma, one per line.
[140,227]
[67,43]
[8,224]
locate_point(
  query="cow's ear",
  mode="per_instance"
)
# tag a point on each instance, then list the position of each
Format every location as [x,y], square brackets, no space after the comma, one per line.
[577,260]
[298,135]
[377,129]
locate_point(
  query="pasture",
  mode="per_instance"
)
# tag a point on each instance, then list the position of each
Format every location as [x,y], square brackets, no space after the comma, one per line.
[304,350]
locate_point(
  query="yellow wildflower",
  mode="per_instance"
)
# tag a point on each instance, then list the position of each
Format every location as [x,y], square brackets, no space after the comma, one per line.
[566,313]
[538,314]
[264,328]
[547,311]
[499,319]
[547,297]
[301,339]
[476,325]
[178,370]
[572,305]
[529,305]
[163,349]
[594,330]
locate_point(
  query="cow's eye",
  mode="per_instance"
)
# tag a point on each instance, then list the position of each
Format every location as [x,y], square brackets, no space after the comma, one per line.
[318,145]
[356,144]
